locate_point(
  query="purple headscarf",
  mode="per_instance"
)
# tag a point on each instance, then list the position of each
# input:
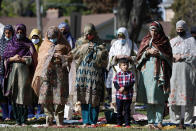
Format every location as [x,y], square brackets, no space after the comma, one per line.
[22,47]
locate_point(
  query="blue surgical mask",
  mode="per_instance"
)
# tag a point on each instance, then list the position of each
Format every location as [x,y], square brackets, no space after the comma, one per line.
[8,38]
[53,40]
[35,41]
[123,41]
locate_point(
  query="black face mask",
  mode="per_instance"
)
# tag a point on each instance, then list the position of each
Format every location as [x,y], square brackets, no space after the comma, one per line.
[181,34]
[64,32]
[20,36]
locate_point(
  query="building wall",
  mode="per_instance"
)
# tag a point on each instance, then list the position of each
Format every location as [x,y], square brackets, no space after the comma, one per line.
[169,14]
[106,31]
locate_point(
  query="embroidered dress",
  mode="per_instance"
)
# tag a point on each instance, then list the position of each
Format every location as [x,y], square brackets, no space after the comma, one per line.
[183,80]
[155,73]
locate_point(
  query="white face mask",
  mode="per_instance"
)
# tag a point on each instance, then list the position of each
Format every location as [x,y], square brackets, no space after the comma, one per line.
[35,41]
[7,38]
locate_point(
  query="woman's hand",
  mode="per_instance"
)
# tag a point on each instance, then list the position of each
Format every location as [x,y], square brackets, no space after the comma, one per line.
[91,46]
[121,89]
[15,58]
[121,56]
[177,57]
[57,55]
[153,52]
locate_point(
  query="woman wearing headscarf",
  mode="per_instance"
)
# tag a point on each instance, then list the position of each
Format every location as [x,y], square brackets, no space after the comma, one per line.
[123,47]
[36,38]
[90,56]
[183,81]
[65,29]
[20,62]
[50,81]
[8,34]
[155,63]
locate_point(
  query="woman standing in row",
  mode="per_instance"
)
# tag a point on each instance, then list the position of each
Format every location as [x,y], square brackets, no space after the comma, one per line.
[20,62]
[155,63]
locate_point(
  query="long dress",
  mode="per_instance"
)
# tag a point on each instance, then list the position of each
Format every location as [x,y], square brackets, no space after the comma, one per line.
[89,78]
[155,73]
[55,85]
[183,80]
[19,75]
[150,89]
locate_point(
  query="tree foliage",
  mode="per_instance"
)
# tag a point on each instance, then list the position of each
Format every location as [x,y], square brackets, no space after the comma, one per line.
[186,10]
[18,8]
[100,6]
[66,6]
[28,7]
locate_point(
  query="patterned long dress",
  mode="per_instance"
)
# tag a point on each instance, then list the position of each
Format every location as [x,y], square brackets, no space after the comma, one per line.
[89,77]
[183,80]
[55,89]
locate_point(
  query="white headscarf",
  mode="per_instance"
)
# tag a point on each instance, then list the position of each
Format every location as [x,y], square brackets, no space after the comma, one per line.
[183,45]
[119,49]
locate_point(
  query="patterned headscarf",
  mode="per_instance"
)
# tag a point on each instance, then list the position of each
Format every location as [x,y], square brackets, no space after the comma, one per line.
[63,25]
[52,32]
[3,44]
[161,43]
[90,29]
[68,35]
[22,47]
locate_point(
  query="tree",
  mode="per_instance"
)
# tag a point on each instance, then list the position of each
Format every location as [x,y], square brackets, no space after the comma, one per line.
[18,8]
[186,10]
[133,13]
[100,6]
[66,7]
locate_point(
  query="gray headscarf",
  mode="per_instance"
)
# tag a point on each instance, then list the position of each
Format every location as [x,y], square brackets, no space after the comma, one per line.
[182,24]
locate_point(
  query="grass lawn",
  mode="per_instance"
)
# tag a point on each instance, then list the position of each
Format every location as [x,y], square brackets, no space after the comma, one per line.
[75,129]
[139,126]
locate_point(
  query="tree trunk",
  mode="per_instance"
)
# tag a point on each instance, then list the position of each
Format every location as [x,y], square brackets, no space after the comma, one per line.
[0,3]
[136,19]
[130,15]
[39,17]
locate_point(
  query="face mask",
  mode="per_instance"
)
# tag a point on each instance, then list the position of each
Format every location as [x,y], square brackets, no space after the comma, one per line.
[8,38]
[19,36]
[123,41]
[181,34]
[64,32]
[35,41]
[53,40]
[90,37]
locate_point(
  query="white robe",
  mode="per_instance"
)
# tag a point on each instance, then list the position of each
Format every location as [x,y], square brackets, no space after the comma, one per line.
[183,80]
[119,49]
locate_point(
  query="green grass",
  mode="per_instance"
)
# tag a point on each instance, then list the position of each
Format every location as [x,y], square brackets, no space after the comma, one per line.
[75,129]
[136,127]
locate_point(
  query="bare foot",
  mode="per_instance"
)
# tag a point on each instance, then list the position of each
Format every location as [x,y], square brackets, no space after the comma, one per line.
[84,125]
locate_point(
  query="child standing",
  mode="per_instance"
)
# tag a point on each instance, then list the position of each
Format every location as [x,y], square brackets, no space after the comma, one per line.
[123,82]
